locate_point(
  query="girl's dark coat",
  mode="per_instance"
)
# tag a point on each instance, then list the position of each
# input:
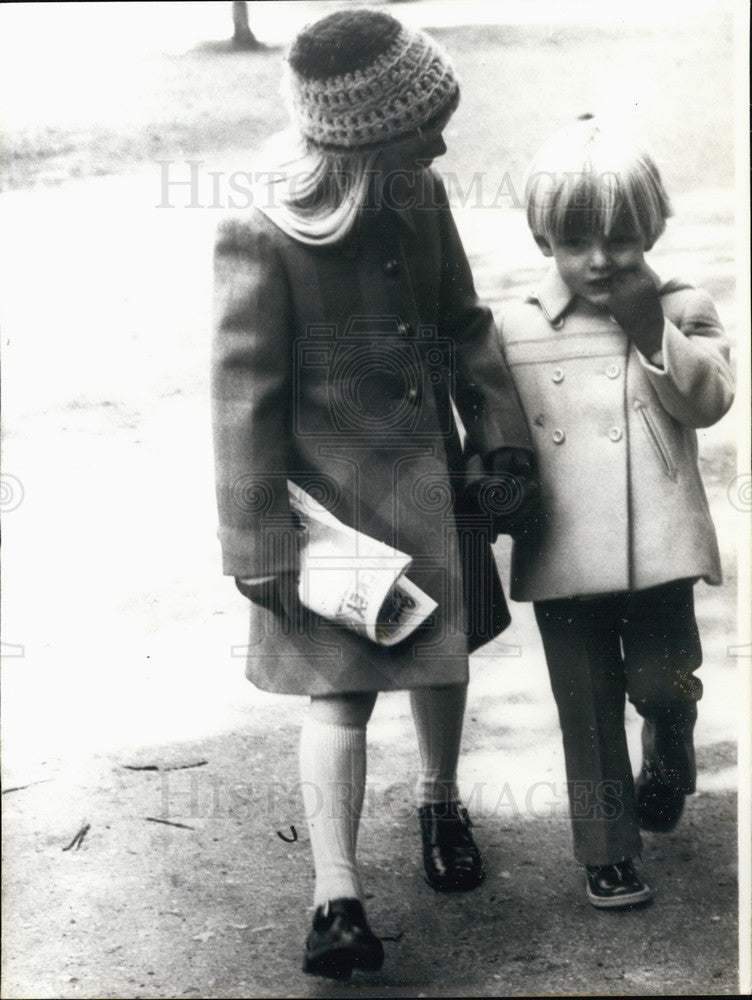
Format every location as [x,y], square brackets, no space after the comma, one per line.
[335,367]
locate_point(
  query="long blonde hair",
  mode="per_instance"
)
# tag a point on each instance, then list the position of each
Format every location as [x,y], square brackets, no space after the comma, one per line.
[316,195]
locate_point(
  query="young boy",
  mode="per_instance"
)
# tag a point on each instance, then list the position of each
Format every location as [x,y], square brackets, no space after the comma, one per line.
[615,369]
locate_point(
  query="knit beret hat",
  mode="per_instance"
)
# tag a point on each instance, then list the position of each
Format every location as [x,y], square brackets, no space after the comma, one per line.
[360,78]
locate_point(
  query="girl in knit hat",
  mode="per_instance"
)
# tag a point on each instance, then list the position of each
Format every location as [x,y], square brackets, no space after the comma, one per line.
[347,326]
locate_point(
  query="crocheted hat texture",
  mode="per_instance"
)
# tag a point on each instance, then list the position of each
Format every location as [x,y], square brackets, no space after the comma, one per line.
[360,78]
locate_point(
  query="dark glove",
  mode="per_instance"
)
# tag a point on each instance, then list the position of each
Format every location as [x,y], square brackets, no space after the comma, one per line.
[505,488]
[279,594]
[635,304]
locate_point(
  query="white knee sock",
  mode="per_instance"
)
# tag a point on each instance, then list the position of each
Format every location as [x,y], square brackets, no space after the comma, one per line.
[438,715]
[333,776]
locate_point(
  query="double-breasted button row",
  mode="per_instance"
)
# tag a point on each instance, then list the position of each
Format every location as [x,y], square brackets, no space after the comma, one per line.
[613,371]
[558,435]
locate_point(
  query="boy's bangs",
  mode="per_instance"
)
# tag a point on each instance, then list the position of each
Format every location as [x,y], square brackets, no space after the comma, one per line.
[594,205]
[587,180]
[588,206]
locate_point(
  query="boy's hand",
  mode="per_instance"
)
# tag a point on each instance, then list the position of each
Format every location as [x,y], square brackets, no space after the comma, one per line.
[505,488]
[523,513]
[636,306]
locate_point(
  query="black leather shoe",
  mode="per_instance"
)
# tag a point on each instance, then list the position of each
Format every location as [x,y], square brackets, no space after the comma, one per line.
[341,940]
[451,859]
[615,886]
[659,804]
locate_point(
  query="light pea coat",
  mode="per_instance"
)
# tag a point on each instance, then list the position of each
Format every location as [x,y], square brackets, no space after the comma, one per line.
[336,367]
[616,443]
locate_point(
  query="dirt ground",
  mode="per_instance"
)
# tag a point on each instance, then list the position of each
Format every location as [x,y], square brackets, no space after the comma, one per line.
[216,907]
[125,712]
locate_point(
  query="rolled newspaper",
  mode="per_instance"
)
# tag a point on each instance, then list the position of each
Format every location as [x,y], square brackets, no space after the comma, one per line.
[353,579]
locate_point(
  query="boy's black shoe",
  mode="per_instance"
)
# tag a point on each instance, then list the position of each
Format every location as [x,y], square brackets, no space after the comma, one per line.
[659,804]
[341,940]
[615,886]
[451,858]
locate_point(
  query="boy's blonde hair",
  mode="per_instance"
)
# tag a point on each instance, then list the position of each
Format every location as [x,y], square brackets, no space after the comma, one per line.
[591,176]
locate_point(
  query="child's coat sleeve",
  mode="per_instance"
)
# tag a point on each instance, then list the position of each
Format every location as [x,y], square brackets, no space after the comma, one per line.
[251,402]
[695,384]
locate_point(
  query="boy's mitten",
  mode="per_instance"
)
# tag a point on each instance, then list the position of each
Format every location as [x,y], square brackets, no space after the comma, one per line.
[636,306]
[505,489]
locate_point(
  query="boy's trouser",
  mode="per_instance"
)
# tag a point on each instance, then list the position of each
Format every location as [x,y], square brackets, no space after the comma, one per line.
[644,644]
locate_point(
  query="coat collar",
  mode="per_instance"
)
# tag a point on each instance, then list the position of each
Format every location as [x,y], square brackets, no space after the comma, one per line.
[555,298]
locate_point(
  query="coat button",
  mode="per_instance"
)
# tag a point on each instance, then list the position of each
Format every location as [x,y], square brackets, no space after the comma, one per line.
[405,330]
[558,375]
[413,396]
[558,436]
[391,267]
[616,434]
[613,371]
